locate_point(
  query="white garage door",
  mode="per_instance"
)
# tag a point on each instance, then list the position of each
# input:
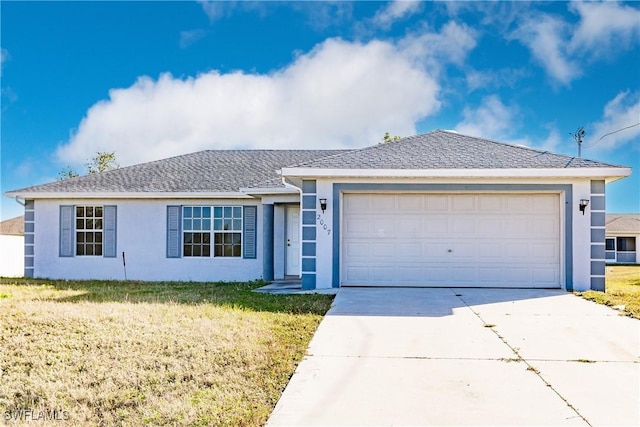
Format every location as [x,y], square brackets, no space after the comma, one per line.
[479,240]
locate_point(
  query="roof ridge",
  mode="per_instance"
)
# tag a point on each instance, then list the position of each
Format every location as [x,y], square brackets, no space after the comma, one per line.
[524,147]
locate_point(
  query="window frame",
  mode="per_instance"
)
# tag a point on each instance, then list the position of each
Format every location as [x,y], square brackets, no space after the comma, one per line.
[623,247]
[85,232]
[211,227]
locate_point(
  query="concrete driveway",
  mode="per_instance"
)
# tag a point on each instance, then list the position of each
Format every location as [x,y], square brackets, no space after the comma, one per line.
[466,357]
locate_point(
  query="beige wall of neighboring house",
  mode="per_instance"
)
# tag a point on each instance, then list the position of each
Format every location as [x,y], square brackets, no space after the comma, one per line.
[623,238]
[12,247]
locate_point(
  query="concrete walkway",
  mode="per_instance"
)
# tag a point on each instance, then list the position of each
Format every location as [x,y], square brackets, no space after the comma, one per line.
[466,357]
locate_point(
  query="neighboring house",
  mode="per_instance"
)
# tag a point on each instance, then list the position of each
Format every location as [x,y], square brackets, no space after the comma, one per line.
[623,238]
[437,209]
[12,247]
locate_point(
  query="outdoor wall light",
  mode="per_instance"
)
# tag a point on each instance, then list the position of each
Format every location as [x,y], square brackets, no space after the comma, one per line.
[323,204]
[583,205]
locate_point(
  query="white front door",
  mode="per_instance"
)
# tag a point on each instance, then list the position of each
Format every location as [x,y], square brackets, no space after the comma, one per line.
[292,267]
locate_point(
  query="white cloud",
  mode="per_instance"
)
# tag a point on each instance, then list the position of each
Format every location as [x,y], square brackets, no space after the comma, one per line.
[340,94]
[4,57]
[546,36]
[187,38]
[491,119]
[434,50]
[604,28]
[619,113]
[214,9]
[395,10]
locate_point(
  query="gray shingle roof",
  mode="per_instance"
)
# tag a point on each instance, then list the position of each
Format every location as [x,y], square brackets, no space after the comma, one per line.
[204,171]
[449,150]
[623,223]
[230,170]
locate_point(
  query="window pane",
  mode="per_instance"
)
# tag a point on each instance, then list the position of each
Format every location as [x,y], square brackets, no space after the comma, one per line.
[217,238]
[98,250]
[197,212]
[217,250]
[197,250]
[187,250]
[206,250]
[197,237]
[237,250]
[227,211]
[80,237]
[188,238]
[98,237]
[227,224]
[186,224]
[206,212]
[79,224]
[79,249]
[80,211]
[237,212]
[206,238]
[89,237]
[227,238]
[227,250]
[89,250]
[237,224]
[611,244]
[217,212]
[98,212]
[98,224]
[217,224]
[237,238]
[89,211]
[186,212]
[626,244]
[197,224]
[206,224]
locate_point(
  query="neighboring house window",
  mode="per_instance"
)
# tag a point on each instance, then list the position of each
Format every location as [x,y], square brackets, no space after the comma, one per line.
[626,244]
[610,244]
[196,224]
[89,230]
[227,226]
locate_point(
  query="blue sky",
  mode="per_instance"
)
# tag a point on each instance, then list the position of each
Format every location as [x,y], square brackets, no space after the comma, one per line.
[150,80]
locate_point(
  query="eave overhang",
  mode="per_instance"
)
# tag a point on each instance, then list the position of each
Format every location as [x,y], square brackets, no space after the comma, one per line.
[608,174]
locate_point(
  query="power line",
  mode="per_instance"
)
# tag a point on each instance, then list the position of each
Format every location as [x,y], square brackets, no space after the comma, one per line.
[591,144]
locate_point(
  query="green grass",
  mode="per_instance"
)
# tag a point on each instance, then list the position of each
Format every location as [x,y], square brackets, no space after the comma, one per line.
[124,354]
[622,288]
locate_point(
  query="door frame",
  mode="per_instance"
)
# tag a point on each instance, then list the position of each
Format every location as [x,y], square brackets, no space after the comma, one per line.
[288,251]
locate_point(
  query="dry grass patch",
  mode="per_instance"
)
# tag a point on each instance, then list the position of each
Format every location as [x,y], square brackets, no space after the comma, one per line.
[108,353]
[622,289]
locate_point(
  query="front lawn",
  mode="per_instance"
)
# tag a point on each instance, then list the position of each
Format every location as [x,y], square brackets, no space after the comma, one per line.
[113,353]
[622,288]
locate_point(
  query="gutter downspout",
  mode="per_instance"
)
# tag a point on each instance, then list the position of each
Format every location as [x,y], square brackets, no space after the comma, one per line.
[23,203]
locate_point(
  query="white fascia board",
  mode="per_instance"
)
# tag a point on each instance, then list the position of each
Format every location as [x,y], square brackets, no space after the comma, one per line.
[126,195]
[610,174]
[275,190]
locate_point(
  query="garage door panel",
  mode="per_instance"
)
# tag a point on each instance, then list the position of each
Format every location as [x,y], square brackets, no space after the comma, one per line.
[436,203]
[501,240]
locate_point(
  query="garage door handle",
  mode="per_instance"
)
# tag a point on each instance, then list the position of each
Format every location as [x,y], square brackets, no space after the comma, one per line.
[449,250]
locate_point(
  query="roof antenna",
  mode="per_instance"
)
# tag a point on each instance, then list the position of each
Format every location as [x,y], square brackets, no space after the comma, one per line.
[580,133]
